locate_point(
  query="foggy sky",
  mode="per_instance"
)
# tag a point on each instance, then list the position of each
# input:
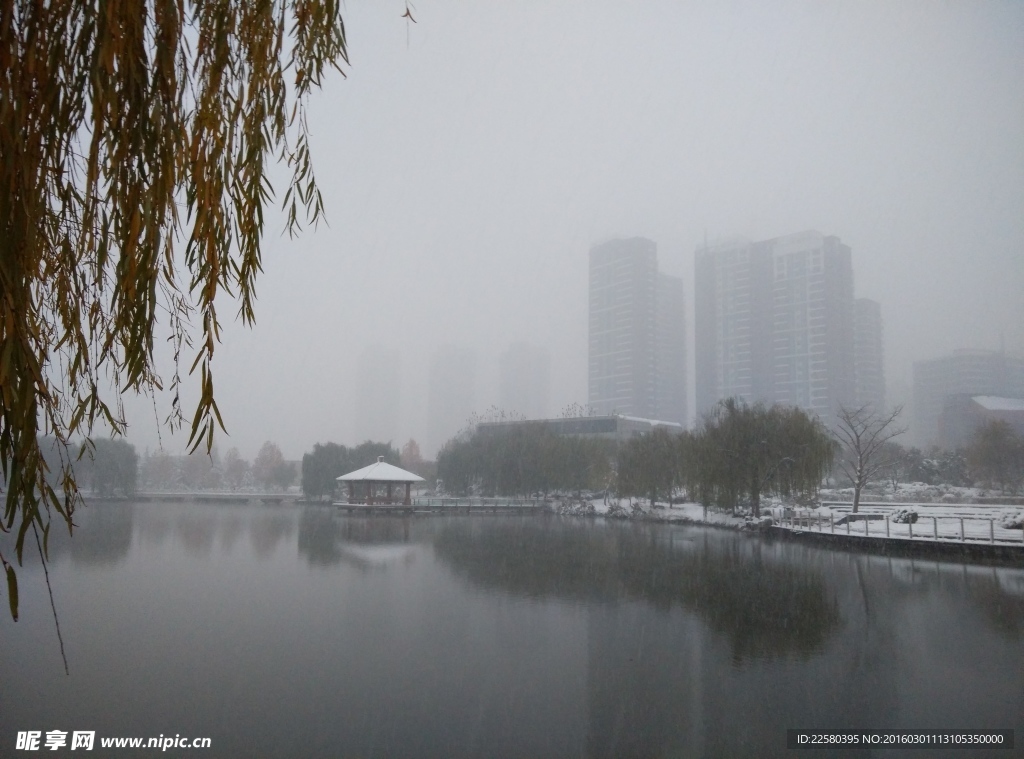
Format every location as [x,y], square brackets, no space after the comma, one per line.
[469,161]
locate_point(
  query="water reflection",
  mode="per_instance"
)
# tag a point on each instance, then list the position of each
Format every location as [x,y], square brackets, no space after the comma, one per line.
[1003,611]
[196,531]
[268,529]
[327,538]
[102,535]
[232,528]
[764,606]
[157,525]
[105,532]
[468,636]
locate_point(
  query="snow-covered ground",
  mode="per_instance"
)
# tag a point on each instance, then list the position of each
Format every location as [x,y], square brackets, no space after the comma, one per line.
[980,523]
[678,512]
[915,492]
[944,522]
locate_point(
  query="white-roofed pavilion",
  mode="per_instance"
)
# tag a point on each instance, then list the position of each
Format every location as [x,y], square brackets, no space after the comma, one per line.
[370,479]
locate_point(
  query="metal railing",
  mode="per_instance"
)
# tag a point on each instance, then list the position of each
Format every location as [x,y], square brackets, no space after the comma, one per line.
[947,529]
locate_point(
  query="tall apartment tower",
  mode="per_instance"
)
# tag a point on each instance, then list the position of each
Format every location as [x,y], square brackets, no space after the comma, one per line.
[450,393]
[733,320]
[868,356]
[813,327]
[774,322]
[525,380]
[376,401]
[964,372]
[622,372]
[670,354]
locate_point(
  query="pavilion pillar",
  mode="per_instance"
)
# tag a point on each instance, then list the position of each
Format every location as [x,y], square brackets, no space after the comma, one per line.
[351,492]
[389,493]
[369,492]
[408,494]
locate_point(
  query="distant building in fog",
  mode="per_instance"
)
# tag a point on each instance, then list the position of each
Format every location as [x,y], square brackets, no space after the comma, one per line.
[451,393]
[612,427]
[733,322]
[963,415]
[966,373]
[774,322]
[377,395]
[637,343]
[525,380]
[623,288]
[868,355]
[670,350]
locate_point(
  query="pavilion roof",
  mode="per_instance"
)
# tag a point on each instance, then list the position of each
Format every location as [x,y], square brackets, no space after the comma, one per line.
[380,471]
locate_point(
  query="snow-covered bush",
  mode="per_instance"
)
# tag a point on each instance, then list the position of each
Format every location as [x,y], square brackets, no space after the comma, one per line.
[904,516]
[759,524]
[1012,520]
[615,511]
[576,508]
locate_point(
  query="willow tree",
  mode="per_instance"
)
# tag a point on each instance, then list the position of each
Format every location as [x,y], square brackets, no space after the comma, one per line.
[136,140]
[996,456]
[649,465]
[742,451]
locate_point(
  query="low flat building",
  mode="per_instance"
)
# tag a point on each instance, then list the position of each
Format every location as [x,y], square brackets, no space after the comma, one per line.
[963,415]
[969,373]
[611,427]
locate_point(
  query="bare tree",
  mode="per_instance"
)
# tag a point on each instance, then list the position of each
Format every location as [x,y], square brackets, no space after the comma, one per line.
[863,432]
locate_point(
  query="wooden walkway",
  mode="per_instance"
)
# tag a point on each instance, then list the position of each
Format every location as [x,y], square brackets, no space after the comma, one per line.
[445,506]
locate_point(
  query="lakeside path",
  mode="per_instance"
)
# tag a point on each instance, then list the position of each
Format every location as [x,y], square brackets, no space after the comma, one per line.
[969,532]
[961,523]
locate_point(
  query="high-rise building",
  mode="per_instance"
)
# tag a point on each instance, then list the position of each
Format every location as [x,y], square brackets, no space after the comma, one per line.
[964,372]
[774,322]
[525,380]
[451,393]
[377,396]
[670,351]
[868,355]
[622,370]
[733,320]
[637,333]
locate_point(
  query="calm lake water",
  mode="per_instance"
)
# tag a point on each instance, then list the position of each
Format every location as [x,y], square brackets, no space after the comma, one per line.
[293,631]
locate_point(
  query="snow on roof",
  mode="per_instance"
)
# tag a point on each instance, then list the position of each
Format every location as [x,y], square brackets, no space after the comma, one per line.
[995,403]
[652,422]
[380,472]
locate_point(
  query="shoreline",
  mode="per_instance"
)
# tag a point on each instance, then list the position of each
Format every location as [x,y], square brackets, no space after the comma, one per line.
[997,554]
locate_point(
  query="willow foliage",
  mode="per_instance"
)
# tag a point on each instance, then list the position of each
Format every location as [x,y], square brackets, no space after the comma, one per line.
[649,465]
[521,460]
[135,142]
[741,452]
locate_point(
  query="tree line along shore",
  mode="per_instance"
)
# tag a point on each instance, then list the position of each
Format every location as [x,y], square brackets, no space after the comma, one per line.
[737,456]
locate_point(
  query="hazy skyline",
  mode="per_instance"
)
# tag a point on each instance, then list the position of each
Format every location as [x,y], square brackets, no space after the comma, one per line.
[470,161]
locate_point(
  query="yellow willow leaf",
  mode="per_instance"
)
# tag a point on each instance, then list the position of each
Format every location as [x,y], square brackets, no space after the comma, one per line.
[92,228]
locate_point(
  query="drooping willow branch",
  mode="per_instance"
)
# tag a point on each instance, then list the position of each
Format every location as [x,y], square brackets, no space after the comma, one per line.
[136,138]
